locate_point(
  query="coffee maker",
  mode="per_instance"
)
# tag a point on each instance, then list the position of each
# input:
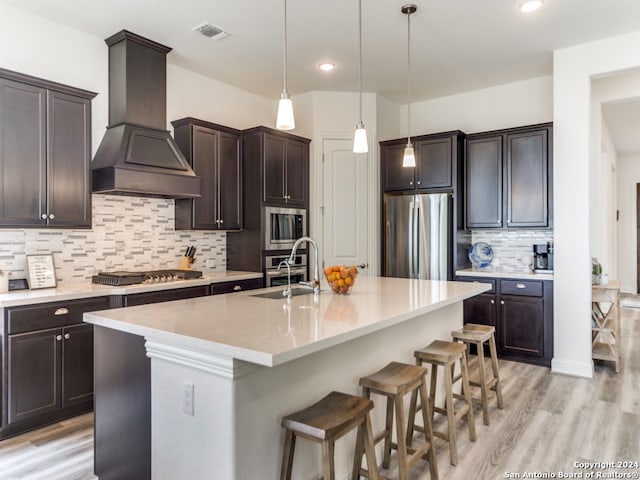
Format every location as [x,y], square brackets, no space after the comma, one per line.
[543,258]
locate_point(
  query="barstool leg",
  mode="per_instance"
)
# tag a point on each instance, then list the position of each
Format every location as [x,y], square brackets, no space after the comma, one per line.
[400,438]
[412,415]
[483,383]
[451,425]
[328,468]
[496,372]
[428,432]
[369,448]
[467,397]
[432,391]
[386,460]
[357,456]
[287,455]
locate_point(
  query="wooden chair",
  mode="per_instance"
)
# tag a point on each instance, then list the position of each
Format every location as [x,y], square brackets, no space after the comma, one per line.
[445,354]
[394,382]
[473,334]
[324,422]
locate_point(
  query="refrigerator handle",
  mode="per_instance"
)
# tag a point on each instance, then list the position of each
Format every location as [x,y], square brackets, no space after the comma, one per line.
[415,262]
[411,236]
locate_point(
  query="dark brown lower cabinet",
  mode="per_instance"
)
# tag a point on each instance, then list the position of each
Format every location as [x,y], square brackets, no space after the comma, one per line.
[47,363]
[523,321]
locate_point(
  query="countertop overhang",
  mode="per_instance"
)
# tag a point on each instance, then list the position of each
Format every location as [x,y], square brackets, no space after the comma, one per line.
[270,332]
[498,273]
[75,291]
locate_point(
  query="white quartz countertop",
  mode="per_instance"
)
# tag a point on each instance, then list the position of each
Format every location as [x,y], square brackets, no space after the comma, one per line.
[269,332]
[496,273]
[74,291]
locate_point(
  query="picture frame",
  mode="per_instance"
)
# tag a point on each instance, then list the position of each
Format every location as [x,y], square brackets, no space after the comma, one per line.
[41,271]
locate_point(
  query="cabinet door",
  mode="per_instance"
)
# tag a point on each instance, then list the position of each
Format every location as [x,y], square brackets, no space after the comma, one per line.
[480,309]
[483,186]
[274,169]
[77,365]
[34,374]
[433,163]
[68,160]
[394,175]
[521,325]
[22,156]
[527,179]
[205,158]
[230,182]
[297,173]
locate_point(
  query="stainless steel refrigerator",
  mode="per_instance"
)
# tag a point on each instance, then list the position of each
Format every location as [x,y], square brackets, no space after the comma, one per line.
[417,236]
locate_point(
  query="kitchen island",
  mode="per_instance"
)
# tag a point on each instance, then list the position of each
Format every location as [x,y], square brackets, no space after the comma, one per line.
[225,369]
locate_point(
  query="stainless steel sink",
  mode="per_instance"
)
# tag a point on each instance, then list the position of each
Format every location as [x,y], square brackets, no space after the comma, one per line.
[278,293]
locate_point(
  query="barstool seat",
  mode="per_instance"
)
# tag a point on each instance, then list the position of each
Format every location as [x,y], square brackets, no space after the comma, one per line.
[324,422]
[446,355]
[474,334]
[394,381]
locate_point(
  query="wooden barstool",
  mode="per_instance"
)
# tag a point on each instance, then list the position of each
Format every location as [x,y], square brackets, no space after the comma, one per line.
[395,381]
[324,422]
[473,334]
[445,354]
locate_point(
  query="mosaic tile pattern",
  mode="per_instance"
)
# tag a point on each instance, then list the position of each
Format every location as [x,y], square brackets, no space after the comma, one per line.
[128,233]
[512,249]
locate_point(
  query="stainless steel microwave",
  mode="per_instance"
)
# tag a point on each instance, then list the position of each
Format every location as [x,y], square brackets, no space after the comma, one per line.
[283,226]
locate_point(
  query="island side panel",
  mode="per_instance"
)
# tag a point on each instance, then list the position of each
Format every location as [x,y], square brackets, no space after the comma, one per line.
[122,405]
[235,430]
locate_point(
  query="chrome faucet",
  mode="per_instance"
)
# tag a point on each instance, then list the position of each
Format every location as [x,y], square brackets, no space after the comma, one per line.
[315,284]
[287,291]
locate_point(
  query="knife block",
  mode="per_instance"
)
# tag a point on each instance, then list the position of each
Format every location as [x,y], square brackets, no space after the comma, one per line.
[185,263]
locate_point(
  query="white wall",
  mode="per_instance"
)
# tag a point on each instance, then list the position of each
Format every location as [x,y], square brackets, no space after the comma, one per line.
[574,68]
[504,106]
[628,177]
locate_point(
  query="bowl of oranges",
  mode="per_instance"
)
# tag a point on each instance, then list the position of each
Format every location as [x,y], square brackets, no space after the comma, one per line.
[341,278]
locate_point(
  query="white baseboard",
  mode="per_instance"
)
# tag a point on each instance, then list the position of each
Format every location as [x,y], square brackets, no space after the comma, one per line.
[571,367]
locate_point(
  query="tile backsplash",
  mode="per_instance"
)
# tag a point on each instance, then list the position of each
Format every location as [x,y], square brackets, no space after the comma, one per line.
[512,249]
[128,233]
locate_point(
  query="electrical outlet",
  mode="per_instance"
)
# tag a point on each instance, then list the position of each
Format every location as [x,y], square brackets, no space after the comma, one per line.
[187,398]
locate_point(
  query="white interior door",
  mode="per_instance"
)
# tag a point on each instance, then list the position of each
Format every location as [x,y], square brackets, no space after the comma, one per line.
[345,210]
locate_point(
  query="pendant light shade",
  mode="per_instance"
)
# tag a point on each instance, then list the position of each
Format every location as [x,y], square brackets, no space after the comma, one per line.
[409,156]
[360,144]
[284,118]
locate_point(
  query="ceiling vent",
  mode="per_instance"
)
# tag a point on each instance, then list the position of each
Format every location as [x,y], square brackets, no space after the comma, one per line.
[211,31]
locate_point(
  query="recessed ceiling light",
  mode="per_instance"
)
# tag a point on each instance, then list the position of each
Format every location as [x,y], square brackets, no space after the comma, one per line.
[530,5]
[327,67]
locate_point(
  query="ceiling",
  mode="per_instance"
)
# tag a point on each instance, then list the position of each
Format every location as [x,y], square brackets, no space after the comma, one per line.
[456,45]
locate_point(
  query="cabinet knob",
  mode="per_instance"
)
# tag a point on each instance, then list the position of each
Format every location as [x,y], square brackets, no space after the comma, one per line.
[61,311]
[59,337]
[501,302]
[418,182]
[52,216]
[67,336]
[43,216]
[410,183]
[492,301]
[520,285]
[237,288]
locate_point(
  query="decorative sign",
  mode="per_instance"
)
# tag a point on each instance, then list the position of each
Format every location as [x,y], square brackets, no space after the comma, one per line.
[42,273]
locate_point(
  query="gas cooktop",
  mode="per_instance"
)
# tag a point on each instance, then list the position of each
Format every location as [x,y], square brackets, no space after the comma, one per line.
[121,278]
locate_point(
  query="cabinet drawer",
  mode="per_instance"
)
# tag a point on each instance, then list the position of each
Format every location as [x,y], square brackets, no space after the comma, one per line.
[229,287]
[166,295]
[488,281]
[524,288]
[52,315]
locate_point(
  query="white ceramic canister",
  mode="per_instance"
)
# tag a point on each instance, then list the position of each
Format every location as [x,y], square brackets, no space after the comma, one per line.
[4,281]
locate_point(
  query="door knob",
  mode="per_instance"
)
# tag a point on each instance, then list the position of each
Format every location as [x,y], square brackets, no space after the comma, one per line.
[363,265]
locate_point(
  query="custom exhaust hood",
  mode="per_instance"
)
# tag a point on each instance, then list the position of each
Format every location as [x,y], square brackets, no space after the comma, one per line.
[137,155]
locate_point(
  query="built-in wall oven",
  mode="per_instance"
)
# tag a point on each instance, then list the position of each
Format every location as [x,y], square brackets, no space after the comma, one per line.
[283,226]
[275,277]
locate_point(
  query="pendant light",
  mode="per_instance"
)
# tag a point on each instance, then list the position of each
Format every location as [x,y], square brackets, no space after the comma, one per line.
[360,144]
[409,156]
[284,119]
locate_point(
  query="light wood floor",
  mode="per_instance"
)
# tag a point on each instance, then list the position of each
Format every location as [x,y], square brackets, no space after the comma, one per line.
[549,422]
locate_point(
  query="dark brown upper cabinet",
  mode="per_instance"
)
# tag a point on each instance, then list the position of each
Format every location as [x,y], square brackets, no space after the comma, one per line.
[45,153]
[284,160]
[508,178]
[436,160]
[213,151]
